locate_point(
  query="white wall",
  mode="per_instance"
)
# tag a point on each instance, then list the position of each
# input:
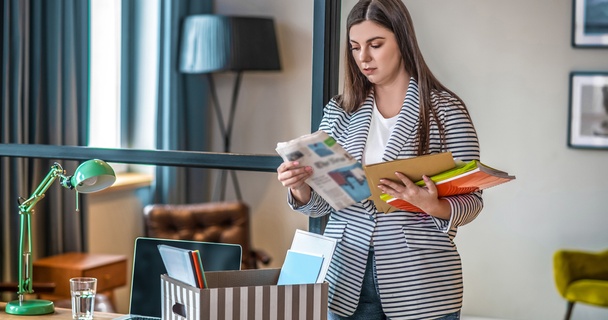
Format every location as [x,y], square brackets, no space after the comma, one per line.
[509,60]
[272,107]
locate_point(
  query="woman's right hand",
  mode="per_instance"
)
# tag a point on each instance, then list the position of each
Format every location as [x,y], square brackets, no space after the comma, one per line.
[293,176]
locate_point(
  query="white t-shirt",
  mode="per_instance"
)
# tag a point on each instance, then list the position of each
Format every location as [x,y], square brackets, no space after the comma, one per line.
[379,133]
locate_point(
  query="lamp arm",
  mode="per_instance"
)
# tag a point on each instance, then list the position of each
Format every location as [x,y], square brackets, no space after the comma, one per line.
[26,210]
[27,205]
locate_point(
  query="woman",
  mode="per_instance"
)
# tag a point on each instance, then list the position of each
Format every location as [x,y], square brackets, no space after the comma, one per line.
[400,265]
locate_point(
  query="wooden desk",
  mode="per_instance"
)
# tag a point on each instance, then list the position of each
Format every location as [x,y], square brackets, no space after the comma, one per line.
[60,313]
[110,271]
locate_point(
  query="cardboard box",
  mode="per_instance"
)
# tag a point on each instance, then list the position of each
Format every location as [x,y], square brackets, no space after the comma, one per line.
[245,294]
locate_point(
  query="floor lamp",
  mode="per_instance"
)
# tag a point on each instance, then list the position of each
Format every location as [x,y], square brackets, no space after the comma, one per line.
[91,176]
[216,43]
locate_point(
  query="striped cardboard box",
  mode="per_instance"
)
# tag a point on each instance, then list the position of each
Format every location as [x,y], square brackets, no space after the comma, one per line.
[244,295]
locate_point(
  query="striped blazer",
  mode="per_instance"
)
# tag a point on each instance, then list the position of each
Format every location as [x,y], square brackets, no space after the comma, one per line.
[418,268]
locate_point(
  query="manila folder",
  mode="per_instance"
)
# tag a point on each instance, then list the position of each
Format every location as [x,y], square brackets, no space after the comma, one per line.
[414,168]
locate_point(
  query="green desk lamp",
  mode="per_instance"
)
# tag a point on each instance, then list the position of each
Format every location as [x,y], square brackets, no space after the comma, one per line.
[90,176]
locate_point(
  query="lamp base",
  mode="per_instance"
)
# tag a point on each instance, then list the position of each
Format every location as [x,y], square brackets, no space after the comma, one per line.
[30,307]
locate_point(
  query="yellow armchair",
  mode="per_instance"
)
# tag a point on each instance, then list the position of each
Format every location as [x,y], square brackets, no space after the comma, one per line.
[581,276]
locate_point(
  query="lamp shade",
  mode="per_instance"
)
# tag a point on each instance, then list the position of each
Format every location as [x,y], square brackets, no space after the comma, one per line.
[92,176]
[212,43]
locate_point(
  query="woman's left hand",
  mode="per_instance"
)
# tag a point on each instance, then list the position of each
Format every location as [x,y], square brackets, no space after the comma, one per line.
[426,198]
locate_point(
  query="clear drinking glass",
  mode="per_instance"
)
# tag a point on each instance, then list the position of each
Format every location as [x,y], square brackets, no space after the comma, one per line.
[83,297]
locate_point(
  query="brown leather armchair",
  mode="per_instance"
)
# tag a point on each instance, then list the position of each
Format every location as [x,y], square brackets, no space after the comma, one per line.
[223,222]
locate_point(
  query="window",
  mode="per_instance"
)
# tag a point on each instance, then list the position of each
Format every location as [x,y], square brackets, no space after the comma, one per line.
[106,127]
[104,99]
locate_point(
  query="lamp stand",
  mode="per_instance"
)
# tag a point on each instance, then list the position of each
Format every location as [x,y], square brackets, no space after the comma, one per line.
[35,306]
[226,131]
[22,306]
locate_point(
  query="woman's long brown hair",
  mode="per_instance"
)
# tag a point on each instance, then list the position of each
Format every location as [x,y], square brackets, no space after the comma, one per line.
[394,16]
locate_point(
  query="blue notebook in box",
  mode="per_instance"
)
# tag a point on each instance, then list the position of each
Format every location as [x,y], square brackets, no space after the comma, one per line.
[300,268]
[178,263]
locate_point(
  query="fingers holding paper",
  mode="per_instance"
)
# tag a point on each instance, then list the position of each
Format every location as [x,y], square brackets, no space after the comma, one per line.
[293,176]
[425,198]
[408,190]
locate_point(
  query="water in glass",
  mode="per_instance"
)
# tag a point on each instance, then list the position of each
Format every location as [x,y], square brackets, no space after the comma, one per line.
[83,303]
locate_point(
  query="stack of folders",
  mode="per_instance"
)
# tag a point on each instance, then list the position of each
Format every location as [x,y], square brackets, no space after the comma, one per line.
[183,265]
[308,259]
[464,178]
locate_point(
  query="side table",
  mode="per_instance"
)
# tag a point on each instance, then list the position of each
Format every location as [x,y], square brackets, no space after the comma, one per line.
[109,269]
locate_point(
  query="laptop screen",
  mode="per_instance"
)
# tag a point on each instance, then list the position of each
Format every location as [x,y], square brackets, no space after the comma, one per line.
[148,266]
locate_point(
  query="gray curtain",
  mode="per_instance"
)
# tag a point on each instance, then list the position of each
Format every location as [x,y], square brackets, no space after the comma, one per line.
[182,101]
[44,94]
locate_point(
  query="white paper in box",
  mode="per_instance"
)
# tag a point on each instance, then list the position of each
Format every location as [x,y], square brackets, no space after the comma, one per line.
[244,294]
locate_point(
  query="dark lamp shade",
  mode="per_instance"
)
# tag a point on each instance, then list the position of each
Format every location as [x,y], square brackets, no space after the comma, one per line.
[212,43]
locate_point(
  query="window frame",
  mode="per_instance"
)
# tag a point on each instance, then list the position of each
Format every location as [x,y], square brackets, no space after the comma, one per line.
[325,64]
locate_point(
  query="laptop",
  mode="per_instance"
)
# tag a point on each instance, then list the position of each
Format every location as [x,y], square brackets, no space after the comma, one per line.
[148,265]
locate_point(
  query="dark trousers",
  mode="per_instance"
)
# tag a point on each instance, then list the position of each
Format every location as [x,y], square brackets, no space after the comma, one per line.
[370,307]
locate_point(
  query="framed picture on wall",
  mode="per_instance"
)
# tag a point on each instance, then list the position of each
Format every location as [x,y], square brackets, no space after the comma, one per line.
[590,23]
[588,121]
